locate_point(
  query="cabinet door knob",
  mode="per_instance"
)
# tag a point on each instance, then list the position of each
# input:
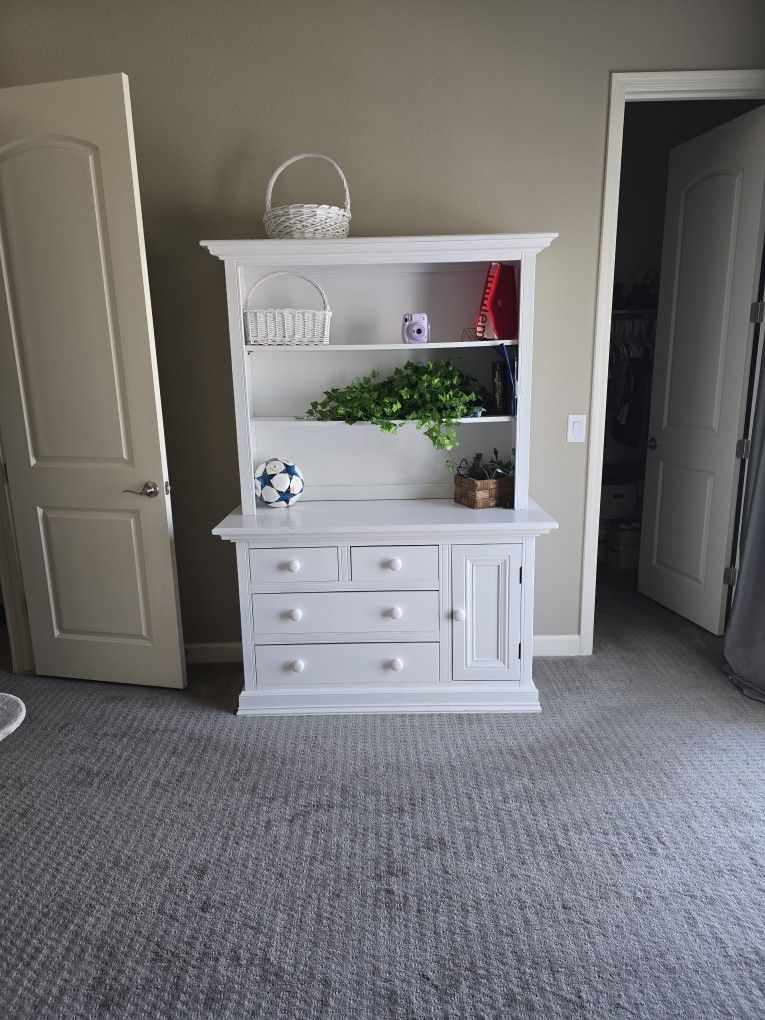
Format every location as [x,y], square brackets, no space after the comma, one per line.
[396,613]
[396,665]
[296,614]
[298,666]
[293,566]
[394,564]
[460,615]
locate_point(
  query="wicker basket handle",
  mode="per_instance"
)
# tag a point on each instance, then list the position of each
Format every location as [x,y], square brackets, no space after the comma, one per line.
[271,276]
[294,159]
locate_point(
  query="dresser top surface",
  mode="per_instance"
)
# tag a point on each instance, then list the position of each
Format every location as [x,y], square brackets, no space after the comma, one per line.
[423,517]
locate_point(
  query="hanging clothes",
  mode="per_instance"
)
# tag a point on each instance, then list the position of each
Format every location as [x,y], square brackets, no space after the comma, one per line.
[629,378]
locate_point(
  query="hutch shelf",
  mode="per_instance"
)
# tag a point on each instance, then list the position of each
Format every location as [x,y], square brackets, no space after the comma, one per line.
[376,592]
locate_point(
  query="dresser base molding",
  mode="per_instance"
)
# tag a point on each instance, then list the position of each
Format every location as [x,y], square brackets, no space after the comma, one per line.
[460,697]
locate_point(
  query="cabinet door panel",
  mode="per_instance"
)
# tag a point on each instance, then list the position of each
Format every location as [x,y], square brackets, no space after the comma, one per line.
[486,625]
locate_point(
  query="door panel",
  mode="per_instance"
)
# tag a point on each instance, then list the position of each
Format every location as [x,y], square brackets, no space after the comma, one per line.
[85,549]
[708,210]
[486,627]
[80,415]
[43,183]
[683,505]
[710,266]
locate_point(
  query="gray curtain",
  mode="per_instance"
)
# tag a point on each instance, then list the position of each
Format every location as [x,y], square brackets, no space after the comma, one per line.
[744,644]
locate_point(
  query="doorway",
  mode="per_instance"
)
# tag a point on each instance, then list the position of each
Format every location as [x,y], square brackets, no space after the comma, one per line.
[652,132]
[646,89]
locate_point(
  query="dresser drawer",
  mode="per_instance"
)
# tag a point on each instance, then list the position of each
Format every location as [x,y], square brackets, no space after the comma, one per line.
[346,612]
[293,566]
[346,665]
[395,563]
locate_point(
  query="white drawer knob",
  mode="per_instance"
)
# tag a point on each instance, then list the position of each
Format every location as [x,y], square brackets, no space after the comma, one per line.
[394,564]
[459,615]
[293,566]
[396,613]
[396,665]
[298,666]
[296,614]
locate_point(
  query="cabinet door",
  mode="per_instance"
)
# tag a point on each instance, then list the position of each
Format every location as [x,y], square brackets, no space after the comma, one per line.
[486,601]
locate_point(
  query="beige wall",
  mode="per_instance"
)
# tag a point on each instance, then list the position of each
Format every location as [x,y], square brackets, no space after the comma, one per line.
[448,116]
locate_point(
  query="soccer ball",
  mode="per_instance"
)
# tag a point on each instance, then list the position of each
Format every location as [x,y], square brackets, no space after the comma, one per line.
[278,483]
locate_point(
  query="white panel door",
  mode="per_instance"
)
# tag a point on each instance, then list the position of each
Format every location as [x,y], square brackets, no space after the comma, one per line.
[486,624]
[710,266]
[80,415]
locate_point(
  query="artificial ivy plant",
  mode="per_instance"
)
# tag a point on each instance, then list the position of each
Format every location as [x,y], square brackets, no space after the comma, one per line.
[481,468]
[434,394]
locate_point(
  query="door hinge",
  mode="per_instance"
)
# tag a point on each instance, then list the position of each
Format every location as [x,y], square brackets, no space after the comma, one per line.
[167,488]
[743,449]
[757,312]
[520,575]
[730,575]
[519,649]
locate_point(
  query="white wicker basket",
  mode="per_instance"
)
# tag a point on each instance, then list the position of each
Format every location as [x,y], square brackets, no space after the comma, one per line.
[305,222]
[286,325]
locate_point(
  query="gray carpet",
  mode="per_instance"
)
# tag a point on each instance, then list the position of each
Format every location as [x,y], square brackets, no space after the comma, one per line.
[161,859]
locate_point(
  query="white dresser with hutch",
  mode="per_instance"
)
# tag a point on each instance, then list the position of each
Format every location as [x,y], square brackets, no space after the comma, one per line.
[376,592]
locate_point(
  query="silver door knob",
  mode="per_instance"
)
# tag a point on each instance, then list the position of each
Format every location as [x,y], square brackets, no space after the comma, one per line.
[652,444]
[293,566]
[149,489]
[395,613]
[296,614]
[459,615]
[298,666]
[396,665]
[394,564]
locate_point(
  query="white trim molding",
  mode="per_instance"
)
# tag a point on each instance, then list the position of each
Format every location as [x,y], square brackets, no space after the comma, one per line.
[550,645]
[209,652]
[382,250]
[12,584]
[641,86]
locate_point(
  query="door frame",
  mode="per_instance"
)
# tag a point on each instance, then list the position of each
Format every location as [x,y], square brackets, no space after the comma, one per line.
[11,584]
[639,86]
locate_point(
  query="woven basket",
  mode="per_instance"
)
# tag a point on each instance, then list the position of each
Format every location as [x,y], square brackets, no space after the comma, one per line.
[306,222]
[482,493]
[286,325]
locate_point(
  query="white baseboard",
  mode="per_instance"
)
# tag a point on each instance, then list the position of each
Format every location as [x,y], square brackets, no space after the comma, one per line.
[214,652]
[231,651]
[557,644]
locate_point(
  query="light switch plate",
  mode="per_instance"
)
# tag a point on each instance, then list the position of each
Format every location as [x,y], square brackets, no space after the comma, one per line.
[577,428]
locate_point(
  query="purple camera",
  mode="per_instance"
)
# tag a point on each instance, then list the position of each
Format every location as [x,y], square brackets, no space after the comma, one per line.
[415,328]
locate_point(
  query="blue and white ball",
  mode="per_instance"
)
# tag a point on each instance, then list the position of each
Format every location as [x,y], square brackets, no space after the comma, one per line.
[278,483]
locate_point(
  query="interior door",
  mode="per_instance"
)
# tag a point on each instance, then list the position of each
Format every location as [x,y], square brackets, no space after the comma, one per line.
[710,265]
[486,624]
[80,416]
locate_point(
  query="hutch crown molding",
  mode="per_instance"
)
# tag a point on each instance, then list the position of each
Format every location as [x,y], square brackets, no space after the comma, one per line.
[376,592]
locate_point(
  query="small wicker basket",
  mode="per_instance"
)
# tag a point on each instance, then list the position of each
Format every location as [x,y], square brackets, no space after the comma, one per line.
[482,493]
[290,326]
[306,222]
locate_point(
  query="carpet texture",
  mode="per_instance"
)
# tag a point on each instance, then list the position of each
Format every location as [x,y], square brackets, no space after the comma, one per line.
[160,858]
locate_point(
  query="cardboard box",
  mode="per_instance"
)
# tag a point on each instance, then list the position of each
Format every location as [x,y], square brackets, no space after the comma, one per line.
[623,548]
[618,501]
